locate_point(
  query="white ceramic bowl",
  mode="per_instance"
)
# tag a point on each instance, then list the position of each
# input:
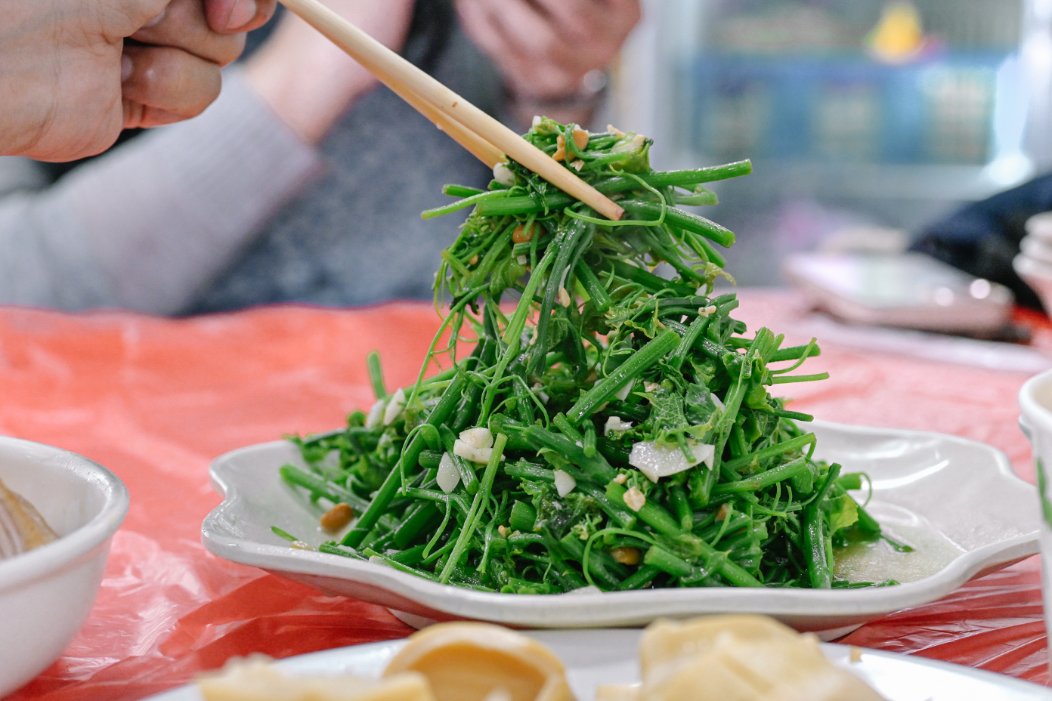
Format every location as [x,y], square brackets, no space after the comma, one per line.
[45,594]
[1035,403]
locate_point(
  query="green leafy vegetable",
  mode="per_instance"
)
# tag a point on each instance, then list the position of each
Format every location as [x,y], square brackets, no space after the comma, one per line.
[598,417]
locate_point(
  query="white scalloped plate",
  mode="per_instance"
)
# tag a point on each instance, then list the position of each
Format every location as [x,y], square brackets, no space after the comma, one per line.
[594,657]
[958,502]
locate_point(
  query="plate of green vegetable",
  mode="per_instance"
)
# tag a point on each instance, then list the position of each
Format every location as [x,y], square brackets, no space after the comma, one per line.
[954,502]
[595,440]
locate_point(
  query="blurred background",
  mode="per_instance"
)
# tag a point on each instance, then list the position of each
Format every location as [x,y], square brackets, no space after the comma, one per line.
[864,120]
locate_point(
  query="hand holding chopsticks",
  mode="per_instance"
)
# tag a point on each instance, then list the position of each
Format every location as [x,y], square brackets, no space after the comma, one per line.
[485,137]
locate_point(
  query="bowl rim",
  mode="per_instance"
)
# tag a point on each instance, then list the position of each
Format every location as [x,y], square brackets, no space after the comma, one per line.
[1034,415]
[15,572]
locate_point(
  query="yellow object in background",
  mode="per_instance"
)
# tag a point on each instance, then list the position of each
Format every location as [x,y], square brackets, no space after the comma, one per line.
[899,35]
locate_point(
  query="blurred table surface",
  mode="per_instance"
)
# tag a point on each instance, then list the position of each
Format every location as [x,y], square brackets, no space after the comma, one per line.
[155,400]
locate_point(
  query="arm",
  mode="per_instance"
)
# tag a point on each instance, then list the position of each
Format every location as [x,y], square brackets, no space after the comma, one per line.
[122,232]
[983,237]
[150,224]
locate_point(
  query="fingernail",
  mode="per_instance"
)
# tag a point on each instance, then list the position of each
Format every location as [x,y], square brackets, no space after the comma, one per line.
[126,67]
[244,12]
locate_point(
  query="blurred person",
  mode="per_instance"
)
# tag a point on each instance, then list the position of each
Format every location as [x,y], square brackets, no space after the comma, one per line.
[69,82]
[302,183]
[982,238]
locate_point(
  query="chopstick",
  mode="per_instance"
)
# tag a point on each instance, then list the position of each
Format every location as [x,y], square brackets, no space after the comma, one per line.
[485,137]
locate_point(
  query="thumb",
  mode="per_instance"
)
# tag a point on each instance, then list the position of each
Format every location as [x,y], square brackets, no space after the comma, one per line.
[129,16]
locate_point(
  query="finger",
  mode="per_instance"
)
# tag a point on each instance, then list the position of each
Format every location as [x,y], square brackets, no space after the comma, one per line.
[183,25]
[163,79]
[230,16]
[534,59]
[599,25]
[573,20]
[516,35]
[623,15]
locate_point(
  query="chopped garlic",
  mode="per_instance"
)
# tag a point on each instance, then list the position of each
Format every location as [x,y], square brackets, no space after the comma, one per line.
[635,499]
[622,393]
[621,478]
[478,437]
[394,407]
[564,482]
[372,419]
[448,476]
[503,174]
[656,460]
[522,260]
[707,311]
[476,454]
[615,423]
[564,297]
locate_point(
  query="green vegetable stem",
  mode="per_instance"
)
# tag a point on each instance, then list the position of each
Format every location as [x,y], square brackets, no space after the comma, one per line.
[591,413]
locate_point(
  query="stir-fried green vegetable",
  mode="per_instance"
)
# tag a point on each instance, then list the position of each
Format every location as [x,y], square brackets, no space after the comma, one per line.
[600,419]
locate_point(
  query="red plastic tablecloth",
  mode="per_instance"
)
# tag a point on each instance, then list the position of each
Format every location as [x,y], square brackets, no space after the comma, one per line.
[156,400]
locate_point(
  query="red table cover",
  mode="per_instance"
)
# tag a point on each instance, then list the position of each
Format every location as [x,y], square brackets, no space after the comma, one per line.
[155,400]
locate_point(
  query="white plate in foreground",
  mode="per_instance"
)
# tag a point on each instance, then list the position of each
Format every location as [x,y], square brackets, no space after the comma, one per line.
[956,501]
[595,657]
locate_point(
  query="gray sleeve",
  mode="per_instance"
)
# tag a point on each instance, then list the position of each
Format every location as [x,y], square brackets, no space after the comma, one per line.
[153,221]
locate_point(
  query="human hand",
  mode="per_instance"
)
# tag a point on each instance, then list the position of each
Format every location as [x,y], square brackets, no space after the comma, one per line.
[306,79]
[182,49]
[70,82]
[544,48]
[236,16]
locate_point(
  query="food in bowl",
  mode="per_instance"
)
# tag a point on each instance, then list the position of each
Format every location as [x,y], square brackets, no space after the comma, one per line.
[615,430]
[22,528]
[46,593]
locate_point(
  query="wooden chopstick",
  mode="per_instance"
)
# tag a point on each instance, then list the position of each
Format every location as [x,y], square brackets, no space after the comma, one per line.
[479,133]
[475,144]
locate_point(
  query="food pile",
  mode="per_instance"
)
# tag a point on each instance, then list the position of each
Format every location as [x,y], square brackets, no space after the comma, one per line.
[751,658]
[590,413]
